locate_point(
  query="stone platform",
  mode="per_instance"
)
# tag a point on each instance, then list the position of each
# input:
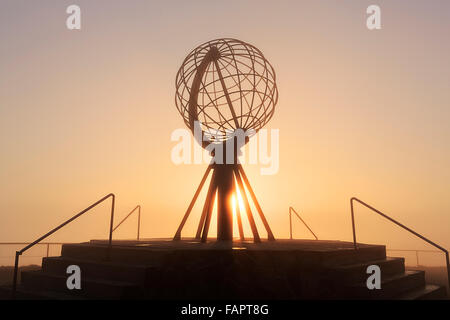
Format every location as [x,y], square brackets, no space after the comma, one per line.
[188,270]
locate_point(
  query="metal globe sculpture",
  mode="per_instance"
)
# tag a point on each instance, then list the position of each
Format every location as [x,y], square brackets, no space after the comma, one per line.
[224,85]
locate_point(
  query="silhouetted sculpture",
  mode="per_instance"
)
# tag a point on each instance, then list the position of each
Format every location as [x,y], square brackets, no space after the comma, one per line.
[225,88]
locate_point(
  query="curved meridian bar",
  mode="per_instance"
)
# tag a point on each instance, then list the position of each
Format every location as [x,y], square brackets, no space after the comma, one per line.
[193,115]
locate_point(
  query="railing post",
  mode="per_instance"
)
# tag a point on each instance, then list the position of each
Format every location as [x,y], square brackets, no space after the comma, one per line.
[290,221]
[16,266]
[417,257]
[48,249]
[139,222]
[353,223]
[113,200]
[448,271]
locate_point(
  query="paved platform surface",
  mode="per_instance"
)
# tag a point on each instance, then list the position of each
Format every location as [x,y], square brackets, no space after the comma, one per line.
[279,244]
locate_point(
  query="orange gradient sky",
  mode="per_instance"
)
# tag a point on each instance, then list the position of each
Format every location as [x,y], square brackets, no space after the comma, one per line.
[361,113]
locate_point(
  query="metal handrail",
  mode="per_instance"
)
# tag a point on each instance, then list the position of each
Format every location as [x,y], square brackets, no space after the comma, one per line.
[290,222]
[18,243]
[413,250]
[41,243]
[400,225]
[138,207]
[18,253]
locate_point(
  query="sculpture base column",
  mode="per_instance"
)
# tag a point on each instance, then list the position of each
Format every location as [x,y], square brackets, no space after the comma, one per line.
[225,187]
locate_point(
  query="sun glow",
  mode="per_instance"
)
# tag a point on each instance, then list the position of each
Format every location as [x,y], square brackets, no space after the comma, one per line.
[240,203]
[240,200]
[238,209]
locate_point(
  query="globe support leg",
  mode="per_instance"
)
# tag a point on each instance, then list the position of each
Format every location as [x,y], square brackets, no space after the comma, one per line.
[210,195]
[210,204]
[226,179]
[191,205]
[251,221]
[255,201]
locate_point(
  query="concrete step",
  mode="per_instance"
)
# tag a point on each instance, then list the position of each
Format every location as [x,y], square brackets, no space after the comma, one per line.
[391,286]
[428,292]
[120,254]
[136,274]
[90,288]
[319,255]
[350,256]
[27,294]
[357,272]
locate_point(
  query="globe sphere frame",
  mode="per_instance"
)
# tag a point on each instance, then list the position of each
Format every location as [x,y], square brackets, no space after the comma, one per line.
[224,85]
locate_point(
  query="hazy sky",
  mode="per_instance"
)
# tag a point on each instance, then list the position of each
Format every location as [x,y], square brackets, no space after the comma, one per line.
[361,113]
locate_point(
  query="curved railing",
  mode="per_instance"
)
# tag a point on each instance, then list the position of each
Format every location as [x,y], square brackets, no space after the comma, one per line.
[298,216]
[400,225]
[138,208]
[19,253]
